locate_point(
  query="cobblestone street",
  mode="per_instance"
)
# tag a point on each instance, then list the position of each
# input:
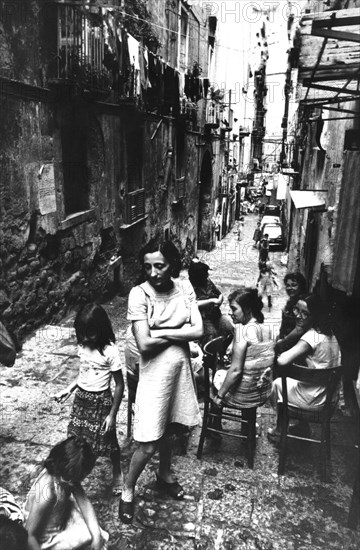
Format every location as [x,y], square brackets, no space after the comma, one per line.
[227,506]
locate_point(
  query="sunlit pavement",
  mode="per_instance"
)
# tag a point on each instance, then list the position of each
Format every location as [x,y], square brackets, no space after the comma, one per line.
[227,505]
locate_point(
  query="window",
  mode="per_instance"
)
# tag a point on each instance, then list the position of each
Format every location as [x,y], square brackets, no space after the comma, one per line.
[134,151]
[183,41]
[74,161]
[135,198]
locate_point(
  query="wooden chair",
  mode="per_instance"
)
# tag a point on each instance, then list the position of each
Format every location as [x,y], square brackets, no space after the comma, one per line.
[213,416]
[132,383]
[330,379]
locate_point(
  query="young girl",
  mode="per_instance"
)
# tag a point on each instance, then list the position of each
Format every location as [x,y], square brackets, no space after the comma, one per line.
[94,410]
[266,282]
[59,516]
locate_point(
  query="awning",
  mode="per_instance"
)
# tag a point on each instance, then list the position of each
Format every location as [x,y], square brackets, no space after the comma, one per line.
[308,199]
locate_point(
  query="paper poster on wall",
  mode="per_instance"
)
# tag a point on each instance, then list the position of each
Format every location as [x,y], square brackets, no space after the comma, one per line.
[46,186]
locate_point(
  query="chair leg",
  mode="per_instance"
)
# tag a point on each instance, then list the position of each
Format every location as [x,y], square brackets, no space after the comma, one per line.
[250,416]
[328,440]
[203,430]
[283,441]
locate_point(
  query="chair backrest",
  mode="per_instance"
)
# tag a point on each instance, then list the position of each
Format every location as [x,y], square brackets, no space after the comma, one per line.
[218,346]
[214,352]
[329,378]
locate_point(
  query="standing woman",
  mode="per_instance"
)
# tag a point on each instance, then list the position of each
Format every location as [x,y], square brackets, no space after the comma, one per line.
[165,318]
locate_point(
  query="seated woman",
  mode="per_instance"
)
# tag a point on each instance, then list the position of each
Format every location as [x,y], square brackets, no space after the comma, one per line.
[247,383]
[292,327]
[320,350]
[209,300]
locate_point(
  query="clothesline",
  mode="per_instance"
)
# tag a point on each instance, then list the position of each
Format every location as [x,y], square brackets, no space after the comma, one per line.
[137,18]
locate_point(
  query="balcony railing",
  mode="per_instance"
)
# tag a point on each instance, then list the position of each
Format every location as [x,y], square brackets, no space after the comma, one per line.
[80,49]
[135,206]
[213,114]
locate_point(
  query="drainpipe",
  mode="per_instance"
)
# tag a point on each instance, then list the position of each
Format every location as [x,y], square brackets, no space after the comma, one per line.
[170,151]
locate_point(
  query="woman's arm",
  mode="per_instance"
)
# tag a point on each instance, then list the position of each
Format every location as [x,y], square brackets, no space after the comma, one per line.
[40,511]
[286,343]
[188,332]
[299,350]
[235,371]
[203,304]
[144,341]
[88,513]
[110,420]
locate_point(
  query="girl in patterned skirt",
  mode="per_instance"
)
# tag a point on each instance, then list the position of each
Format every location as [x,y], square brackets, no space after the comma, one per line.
[94,409]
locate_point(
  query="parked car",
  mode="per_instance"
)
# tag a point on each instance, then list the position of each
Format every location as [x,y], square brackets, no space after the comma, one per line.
[269,219]
[276,235]
[272,210]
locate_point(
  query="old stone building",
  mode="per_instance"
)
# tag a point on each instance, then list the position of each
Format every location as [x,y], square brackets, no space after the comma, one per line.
[323,198]
[107,140]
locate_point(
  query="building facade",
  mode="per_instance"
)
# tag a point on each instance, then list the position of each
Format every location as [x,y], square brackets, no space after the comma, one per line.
[107,141]
[323,199]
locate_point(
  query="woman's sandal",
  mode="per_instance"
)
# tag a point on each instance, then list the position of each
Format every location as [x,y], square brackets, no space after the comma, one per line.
[126,511]
[172,489]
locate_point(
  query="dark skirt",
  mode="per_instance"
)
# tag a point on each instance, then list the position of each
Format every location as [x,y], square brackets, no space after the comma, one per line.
[89,412]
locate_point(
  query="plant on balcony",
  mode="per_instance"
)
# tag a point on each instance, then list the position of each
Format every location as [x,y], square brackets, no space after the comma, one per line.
[140,28]
[196,70]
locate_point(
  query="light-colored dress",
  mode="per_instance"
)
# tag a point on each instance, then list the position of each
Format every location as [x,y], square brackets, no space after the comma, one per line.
[325,354]
[166,390]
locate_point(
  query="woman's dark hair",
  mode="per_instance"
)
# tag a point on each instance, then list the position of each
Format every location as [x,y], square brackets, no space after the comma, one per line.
[249,300]
[299,278]
[198,273]
[13,535]
[71,459]
[93,327]
[167,249]
[319,312]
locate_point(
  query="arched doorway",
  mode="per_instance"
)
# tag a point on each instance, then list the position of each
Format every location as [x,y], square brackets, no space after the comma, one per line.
[205,231]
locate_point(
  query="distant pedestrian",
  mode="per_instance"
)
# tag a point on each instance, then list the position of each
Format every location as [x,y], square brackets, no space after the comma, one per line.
[257,235]
[94,409]
[261,209]
[217,225]
[266,282]
[58,513]
[241,226]
[264,248]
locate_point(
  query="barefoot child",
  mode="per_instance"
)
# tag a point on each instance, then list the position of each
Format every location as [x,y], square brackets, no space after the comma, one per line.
[94,410]
[58,513]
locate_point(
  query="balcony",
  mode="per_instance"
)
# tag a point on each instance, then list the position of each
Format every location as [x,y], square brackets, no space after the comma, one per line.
[80,48]
[213,115]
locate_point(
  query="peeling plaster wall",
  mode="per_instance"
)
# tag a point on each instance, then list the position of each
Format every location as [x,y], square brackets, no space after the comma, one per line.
[321,171]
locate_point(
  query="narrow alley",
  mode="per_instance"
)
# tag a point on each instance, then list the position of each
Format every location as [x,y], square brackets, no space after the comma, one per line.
[136,137]
[227,505]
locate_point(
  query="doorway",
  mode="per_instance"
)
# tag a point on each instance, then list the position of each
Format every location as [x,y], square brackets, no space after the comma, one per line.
[205,228]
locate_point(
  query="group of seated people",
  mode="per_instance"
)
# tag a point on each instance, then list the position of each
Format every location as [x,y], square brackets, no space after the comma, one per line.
[305,337]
